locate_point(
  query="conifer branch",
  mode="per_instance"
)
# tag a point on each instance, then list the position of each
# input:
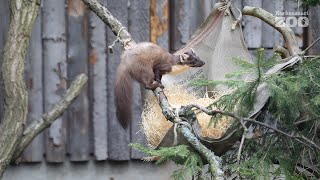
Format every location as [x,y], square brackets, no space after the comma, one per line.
[300,138]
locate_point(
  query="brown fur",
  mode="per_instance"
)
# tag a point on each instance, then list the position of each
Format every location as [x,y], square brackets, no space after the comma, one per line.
[146,63]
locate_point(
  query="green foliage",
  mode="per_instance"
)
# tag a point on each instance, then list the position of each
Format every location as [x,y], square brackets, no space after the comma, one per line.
[308,2]
[294,107]
[294,97]
[244,92]
[191,162]
[311,2]
[295,93]
[266,159]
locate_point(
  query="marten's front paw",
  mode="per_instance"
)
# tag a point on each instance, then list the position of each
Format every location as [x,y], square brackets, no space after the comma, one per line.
[161,86]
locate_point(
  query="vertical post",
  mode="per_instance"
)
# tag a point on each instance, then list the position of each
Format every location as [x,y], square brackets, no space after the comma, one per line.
[78,113]
[118,138]
[55,76]
[34,152]
[139,27]
[98,82]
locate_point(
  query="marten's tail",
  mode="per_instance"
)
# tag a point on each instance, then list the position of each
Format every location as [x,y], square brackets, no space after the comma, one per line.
[123,96]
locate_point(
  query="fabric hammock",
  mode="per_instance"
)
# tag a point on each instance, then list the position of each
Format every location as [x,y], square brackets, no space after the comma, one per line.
[217,44]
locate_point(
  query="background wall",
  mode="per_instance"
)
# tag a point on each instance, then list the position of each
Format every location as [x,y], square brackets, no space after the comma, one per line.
[90,170]
[68,39]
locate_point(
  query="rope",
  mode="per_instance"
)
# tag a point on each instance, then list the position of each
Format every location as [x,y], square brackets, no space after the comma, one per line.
[181,59]
[225,6]
[177,122]
[236,22]
[118,39]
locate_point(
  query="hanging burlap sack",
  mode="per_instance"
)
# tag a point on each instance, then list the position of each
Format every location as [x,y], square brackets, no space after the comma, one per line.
[217,44]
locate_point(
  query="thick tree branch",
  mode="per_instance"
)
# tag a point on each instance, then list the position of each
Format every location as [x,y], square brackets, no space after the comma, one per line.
[213,160]
[22,17]
[48,118]
[276,23]
[283,52]
[169,113]
[115,25]
[12,140]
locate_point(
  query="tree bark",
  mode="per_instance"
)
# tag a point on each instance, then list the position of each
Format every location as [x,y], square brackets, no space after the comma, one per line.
[36,127]
[287,33]
[22,17]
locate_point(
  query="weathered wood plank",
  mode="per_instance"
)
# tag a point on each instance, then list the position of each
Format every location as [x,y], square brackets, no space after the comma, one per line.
[34,152]
[271,36]
[180,23]
[118,138]
[4,25]
[268,53]
[252,26]
[159,22]
[78,113]
[314,29]
[55,71]
[98,78]
[199,11]
[292,6]
[187,16]
[239,4]
[139,20]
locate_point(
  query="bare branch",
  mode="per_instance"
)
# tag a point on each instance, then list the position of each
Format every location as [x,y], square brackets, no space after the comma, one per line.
[214,111]
[294,136]
[311,45]
[278,24]
[48,118]
[241,146]
[213,160]
[117,28]
[167,110]
[281,50]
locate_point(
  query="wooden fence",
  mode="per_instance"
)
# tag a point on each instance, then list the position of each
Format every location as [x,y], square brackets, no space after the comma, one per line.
[68,39]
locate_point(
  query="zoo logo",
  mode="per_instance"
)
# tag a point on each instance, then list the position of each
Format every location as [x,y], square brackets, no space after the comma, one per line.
[292,19]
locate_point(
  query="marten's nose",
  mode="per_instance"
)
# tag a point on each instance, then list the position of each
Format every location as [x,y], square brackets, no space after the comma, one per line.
[199,64]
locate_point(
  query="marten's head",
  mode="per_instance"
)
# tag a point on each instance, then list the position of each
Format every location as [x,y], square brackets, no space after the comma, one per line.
[189,58]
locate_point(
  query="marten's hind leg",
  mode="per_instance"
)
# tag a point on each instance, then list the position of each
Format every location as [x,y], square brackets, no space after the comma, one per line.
[149,82]
[157,75]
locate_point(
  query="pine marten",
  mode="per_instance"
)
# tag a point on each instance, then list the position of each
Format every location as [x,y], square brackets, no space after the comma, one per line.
[146,63]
